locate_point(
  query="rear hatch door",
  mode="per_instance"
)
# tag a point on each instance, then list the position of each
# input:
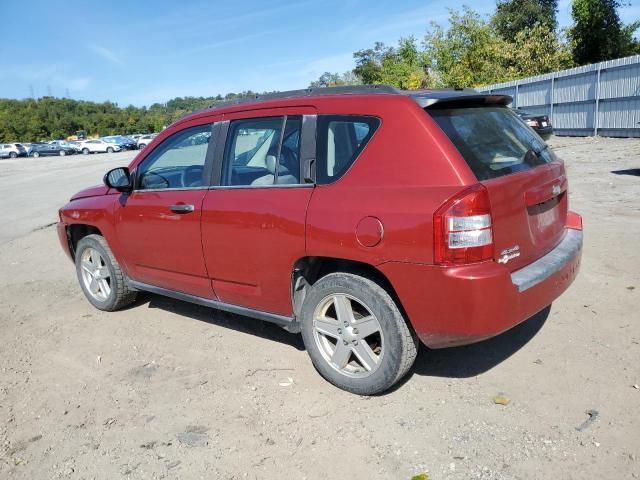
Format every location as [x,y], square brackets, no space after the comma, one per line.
[526,182]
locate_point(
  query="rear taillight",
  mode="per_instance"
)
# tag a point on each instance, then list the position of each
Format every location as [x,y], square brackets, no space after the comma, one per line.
[532,123]
[462,228]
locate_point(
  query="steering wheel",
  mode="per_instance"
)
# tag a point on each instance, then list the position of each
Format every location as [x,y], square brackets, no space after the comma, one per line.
[191,176]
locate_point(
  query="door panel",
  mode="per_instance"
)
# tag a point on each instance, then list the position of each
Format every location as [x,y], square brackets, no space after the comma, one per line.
[159,222]
[251,239]
[163,246]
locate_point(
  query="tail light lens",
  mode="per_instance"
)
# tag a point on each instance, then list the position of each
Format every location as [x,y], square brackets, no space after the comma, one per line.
[462,228]
[532,123]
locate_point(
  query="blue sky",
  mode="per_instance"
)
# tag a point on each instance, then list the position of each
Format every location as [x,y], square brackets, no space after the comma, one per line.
[141,52]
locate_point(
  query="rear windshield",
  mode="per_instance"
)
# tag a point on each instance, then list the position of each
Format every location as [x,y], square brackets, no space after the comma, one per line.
[493,140]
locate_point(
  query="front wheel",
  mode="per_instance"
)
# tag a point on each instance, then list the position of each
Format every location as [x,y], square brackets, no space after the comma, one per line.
[355,334]
[36,154]
[100,275]
[85,151]
[62,153]
[109,150]
[13,155]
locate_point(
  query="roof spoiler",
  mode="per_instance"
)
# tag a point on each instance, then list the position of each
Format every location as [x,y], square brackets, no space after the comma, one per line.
[453,97]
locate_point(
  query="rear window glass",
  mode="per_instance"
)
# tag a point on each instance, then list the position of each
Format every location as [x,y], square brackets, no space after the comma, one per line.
[492,140]
[340,141]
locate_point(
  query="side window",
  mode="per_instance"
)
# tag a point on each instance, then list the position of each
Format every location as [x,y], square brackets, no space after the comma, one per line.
[260,153]
[340,141]
[178,162]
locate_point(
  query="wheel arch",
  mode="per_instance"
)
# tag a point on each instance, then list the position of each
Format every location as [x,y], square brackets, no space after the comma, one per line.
[308,270]
[77,231]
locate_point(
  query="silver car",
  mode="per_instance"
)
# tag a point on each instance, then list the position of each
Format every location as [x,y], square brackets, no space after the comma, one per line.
[12,150]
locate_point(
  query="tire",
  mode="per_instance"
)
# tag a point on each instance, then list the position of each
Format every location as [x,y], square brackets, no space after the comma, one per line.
[141,146]
[62,153]
[98,270]
[13,154]
[86,151]
[395,343]
[109,150]
[36,154]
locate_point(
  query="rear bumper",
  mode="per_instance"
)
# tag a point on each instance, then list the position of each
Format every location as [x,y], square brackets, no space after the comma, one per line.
[545,132]
[451,306]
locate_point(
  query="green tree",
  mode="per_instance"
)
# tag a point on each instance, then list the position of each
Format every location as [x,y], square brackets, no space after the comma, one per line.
[328,79]
[598,34]
[514,16]
[467,54]
[535,51]
[402,66]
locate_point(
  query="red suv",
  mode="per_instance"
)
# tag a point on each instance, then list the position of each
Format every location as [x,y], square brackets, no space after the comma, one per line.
[366,218]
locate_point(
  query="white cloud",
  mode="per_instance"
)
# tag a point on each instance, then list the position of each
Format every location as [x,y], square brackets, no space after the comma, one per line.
[105,53]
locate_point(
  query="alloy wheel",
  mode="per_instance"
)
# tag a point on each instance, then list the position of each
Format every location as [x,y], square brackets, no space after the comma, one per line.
[95,274]
[348,335]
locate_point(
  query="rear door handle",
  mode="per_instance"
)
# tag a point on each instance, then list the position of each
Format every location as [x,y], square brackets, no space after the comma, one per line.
[182,208]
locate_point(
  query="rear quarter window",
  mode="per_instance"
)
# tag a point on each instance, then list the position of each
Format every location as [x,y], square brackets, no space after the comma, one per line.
[492,140]
[341,139]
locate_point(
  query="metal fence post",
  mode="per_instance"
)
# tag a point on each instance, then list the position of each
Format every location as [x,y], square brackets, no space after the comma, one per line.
[553,82]
[516,97]
[596,118]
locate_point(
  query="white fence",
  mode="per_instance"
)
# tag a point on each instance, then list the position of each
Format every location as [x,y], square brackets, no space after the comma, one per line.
[599,99]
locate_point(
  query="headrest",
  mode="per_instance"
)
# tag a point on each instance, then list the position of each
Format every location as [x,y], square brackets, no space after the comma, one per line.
[270,163]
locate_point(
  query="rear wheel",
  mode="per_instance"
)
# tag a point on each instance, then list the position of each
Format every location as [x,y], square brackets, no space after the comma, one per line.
[13,154]
[85,151]
[100,275]
[355,334]
[62,153]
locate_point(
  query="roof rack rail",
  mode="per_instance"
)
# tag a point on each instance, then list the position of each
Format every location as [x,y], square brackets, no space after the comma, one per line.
[312,92]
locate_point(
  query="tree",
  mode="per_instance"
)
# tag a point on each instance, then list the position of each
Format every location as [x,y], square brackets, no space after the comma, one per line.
[514,16]
[535,51]
[598,34]
[467,54]
[402,66]
[328,79]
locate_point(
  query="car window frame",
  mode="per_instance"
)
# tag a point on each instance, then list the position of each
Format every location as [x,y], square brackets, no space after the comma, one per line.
[135,174]
[322,130]
[225,136]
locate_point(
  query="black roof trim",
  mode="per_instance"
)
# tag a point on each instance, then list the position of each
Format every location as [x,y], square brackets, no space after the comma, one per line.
[424,98]
[313,92]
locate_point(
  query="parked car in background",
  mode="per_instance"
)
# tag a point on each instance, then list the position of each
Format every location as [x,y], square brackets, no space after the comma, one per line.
[433,216]
[49,149]
[12,150]
[63,143]
[98,146]
[77,146]
[145,140]
[540,123]
[125,143]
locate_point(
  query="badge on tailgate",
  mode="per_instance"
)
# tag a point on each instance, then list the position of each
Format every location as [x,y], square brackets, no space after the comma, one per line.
[509,254]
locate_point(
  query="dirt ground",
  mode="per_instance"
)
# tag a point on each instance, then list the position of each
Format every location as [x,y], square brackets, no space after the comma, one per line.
[169,390]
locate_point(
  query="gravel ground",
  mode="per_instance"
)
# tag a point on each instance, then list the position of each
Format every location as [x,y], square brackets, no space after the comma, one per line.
[169,390]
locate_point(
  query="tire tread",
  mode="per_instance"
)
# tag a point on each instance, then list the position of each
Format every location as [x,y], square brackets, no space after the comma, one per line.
[124,295]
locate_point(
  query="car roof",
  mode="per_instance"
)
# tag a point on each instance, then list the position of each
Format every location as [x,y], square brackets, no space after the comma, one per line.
[428,98]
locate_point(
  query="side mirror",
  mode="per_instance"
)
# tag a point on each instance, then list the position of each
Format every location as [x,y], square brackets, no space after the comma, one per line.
[118,179]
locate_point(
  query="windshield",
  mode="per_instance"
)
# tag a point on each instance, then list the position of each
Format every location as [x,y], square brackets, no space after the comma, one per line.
[492,140]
